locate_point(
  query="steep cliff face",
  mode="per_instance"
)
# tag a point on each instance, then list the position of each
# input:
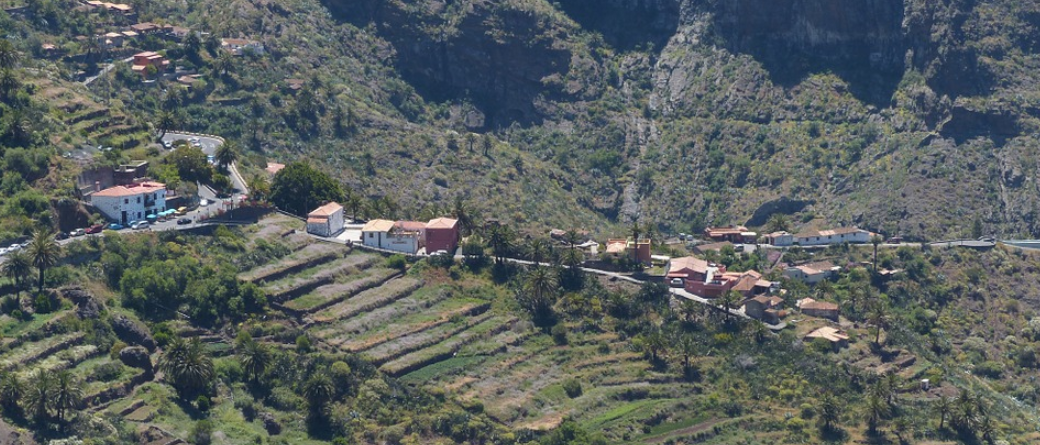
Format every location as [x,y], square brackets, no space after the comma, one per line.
[502,56]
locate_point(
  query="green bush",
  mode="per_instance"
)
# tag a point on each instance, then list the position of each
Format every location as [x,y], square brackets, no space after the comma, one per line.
[572,387]
[202,403]
[559,334]
[202,433]
[398,262]
[107,372]
[303,344]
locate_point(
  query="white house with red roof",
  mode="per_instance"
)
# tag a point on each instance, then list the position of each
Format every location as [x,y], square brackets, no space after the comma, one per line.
[131,202]
[326,220]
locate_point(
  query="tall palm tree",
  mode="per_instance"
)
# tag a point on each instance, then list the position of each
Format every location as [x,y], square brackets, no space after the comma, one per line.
[654,342]
[470,140]
[11,391]
[318,391]
[39,396]
[461,212]
[877,408]
[187,367]
[193,44]
[256,358]
[879,318]
[487,144]
[165,120]
[777,223]
[68,392]
[687,346]
[501,241]
[636,231]
[354,203]
[17,267]
[8,54]
[259,187]
[875,240]
[224,64]
[943,407]
[829,411]
[539,249]
[44,252]
[226,154]
[726,302]
[8,83]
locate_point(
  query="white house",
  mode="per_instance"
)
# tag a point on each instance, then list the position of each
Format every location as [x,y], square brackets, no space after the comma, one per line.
[833,236]
[811,273]
[240,46]
[326,220]
[386,234]
[131,202]
[780,238]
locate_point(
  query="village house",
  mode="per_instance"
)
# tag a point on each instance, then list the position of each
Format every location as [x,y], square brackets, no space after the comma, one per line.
[146,28]
[812,273]
[131,202]
[765,308]
[326,220]
[403,236]
[840,235]
[711,280]
[624,248]
[130,34]
[112,39]
[149,58]
[442,234]
[838,338]
[176,32]
[239,47]
[822,309]
[733,234]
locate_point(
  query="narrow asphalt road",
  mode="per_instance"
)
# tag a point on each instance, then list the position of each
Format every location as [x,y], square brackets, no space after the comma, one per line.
[209,147]
[105,70]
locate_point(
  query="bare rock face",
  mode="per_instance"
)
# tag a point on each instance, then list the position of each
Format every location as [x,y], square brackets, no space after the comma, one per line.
[87,307]
[136,357]
[132,333]
[270,423]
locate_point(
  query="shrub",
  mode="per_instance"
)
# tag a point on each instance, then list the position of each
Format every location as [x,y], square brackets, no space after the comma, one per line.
[303,343]
[202,433]
[572,387]
[114,352]
[397,262]
[990,369]
[202,403]
[107,372]
[559,334]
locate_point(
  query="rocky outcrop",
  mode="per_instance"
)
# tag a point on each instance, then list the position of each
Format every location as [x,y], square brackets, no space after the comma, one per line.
[136,357]
[132,333]
[87,307]
[270,423]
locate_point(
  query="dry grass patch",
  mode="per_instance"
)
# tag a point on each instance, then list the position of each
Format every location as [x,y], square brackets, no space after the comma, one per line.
[370,299]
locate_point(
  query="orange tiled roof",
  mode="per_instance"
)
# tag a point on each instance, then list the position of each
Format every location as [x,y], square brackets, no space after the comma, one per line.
[442,223]
[326,210]
[131,189]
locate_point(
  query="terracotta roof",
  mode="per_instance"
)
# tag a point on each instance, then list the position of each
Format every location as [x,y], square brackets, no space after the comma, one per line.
[143,27]
[831,232]
[616,246]
[731,230]
[442,223]
[274,167]
[809,303]
[131,189]
[130,33]
[691,263]
[828,333]
[326,210]
[378,225]
[410,226]
[317,220]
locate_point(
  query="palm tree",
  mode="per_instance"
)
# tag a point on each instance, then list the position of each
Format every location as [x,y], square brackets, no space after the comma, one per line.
[636,230]
[777,223]
[879,318]
[539,249]
[40,395]
[259,187]
[757,332]
[11,391]
[68,391]
[537,294]
[226,154]
[487,144]
[318,391]
[255,359]
[8,83]
[876,410]
[501,241]
[687,347]
[460,211]
[354,203]
[470,140]
[875,240]
[829,412]
[17,267]
[726,302]
[654,342]
[572,237]
[987,429]
[44,252]
[965,415]
[192,44]
[8,54]
[166,120]
[187,367]
[943,406]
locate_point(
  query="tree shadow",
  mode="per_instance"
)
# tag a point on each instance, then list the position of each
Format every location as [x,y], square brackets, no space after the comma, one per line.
[860,42]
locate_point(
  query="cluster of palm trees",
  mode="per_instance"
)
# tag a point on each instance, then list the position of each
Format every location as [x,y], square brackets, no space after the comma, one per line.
[187,367]
[43,396]
[42,253]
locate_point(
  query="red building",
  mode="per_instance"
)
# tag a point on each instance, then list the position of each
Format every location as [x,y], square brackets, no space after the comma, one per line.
[711,280]
[733,234]
[442,234]
[143,60]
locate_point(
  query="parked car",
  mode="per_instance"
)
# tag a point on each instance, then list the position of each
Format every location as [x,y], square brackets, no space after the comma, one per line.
[96,228]
[61,235]
[677,282]
[115,226]
[204,203]
[139,225]
[78,232]
[183,221]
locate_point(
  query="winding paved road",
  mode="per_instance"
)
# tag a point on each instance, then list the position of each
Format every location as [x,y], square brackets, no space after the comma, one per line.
[209,147]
